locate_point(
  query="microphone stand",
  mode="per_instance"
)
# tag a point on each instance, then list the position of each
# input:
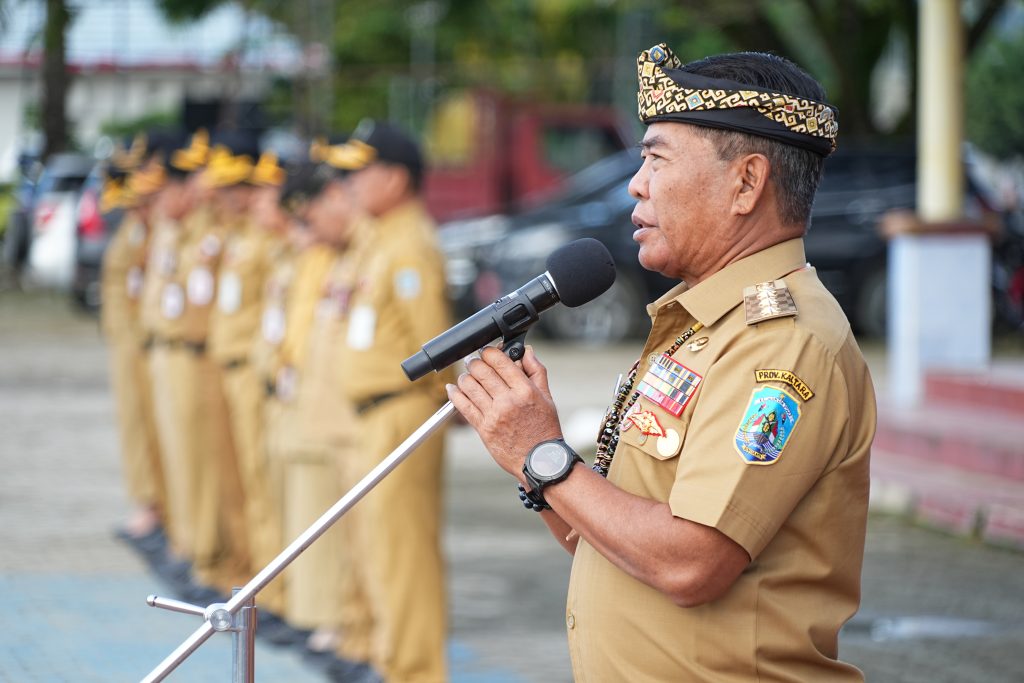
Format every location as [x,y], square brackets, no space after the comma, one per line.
[238,615]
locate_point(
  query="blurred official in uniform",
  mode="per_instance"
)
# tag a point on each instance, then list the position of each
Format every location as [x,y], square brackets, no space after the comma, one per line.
[725,540]
[249,196]
[281,218]
[132,190]
[162,302]
[304,481]
[397,301]
[324,427]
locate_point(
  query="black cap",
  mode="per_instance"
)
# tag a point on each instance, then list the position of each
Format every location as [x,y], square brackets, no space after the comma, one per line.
[238,142]
[304,181]
[383,141]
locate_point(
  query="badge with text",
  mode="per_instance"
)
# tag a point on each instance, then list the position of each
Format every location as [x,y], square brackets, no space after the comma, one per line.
[272,324]
[669,384]
[201,286]
[229,292]
[786,377]
[766,425]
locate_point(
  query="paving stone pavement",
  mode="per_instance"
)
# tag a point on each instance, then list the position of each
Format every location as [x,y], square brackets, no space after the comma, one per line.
[935,609]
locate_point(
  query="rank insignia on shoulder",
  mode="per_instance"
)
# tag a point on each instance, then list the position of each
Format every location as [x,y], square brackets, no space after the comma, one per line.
[786,377]
[766,426]
[766,301]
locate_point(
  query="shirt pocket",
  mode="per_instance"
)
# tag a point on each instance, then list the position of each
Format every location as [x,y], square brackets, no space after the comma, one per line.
[652,429]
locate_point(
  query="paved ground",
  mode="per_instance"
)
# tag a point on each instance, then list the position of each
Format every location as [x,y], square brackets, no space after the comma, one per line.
[72,608]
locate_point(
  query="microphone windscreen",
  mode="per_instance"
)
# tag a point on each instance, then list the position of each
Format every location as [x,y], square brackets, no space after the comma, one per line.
[582,271]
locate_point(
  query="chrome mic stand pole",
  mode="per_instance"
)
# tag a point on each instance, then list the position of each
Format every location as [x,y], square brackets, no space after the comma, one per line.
[239,613]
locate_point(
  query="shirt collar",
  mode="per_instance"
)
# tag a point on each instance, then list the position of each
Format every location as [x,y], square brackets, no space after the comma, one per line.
[709,300]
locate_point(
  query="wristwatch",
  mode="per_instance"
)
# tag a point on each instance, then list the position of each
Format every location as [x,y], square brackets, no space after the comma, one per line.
[548,463]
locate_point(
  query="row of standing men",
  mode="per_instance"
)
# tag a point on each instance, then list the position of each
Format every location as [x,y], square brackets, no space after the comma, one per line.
[257,314]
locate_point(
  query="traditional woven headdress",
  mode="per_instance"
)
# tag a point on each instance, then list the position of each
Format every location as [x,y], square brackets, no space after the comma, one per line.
[667,93]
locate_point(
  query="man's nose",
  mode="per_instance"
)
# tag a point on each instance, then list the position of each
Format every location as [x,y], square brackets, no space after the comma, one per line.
[638,184]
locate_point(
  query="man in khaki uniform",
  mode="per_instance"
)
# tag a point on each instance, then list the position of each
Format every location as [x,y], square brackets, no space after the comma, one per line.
[322,432]
[399,302]
[162,299]
[200,466]
[121,284]
[726,542]
[234,322]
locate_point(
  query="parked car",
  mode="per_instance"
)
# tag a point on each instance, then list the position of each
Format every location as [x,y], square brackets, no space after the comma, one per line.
[51,254]
[94,230]
[843,243]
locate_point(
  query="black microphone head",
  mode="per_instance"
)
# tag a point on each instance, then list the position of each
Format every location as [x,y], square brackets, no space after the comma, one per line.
[582,271]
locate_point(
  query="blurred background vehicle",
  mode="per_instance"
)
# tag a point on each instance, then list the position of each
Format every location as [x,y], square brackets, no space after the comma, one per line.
[51,253]
[487,153]
[94,229]
[492,255]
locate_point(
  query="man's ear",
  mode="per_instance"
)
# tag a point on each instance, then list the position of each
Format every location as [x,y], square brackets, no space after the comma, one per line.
[752,171]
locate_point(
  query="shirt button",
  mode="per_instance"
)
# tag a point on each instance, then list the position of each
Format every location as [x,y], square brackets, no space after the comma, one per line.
[570,621]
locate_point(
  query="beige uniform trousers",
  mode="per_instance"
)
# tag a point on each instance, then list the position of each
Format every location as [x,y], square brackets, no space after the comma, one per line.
[200,470]
[307,484]
[397,560]
[245,398]
[140,449]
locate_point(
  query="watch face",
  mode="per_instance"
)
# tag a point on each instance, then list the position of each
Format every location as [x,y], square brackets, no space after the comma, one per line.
[549,459]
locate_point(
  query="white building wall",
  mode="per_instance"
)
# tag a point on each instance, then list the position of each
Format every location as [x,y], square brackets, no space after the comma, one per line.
[98,97]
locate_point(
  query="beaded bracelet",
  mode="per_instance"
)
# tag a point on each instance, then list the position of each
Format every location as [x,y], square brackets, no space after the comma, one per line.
[532,500]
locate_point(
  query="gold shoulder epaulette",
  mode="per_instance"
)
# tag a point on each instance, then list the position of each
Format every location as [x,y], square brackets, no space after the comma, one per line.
[766,301]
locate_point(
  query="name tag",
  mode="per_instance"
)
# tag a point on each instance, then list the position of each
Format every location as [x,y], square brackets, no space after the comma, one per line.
[362,325]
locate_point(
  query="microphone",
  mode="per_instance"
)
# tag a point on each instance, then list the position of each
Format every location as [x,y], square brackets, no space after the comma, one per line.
[577,272]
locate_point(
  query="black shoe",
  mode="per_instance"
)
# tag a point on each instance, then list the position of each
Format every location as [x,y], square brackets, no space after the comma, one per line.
[174,571]
[277,631]
[148,545]
[319,659]
[201,595]
[344,671]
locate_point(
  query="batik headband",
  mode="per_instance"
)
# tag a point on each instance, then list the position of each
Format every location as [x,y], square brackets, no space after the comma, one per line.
[667,93]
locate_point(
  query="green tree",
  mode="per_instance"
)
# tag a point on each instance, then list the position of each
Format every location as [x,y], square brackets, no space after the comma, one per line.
[56,79]
[995,98]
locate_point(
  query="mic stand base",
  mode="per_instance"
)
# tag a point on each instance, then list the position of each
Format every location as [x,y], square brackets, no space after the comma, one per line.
[225,616]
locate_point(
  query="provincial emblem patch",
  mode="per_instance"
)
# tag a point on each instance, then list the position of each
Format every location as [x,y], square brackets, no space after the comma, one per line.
[766,425]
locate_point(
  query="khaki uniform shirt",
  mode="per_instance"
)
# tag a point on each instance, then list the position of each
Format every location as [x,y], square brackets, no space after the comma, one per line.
[123,273]
[235,319]
[325,419]
[400,302]
[303,293]
[183,260]
[161,291]
[267,344]
[763,431]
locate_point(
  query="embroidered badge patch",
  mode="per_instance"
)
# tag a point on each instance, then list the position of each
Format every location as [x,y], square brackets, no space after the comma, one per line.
[669,384]
[785,376]
[766,425]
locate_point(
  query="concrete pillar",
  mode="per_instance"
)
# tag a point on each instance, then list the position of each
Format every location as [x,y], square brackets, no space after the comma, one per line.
[939,264]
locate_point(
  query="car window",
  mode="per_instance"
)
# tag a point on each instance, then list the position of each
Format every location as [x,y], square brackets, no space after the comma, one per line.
[597,179]
[570,149]
[52,183]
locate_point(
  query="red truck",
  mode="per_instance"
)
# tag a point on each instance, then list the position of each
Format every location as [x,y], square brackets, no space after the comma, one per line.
[487,154]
